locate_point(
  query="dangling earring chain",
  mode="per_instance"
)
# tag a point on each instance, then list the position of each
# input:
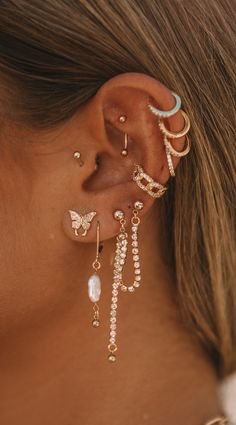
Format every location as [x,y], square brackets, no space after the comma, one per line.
[94,283]
[120,259]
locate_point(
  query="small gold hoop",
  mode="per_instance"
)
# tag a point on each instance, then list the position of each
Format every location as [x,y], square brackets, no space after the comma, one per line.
[135,221]
[112,348]
[181,133]
[175,153]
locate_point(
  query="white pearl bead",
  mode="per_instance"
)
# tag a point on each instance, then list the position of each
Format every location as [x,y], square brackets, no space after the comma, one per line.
[94,288]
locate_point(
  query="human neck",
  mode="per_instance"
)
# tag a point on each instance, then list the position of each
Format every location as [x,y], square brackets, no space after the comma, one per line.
[162,375]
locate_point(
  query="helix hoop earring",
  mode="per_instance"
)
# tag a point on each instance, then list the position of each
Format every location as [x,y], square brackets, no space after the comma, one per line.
[173,152]
[166,114]
[154,189]
[120,260]
[181,133]
[94,282]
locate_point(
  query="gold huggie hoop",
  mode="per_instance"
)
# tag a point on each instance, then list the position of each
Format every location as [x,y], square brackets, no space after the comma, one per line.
[181,133]
[150,187]
[175,153]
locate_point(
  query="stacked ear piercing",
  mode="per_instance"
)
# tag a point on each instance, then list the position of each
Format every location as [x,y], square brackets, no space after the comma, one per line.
[120,260]
[170,151]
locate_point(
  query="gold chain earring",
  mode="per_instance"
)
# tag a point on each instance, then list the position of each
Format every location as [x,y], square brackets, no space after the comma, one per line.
[119,263]
[154,189]
[94,282]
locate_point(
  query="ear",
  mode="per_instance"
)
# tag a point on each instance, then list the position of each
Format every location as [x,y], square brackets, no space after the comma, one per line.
[102,137]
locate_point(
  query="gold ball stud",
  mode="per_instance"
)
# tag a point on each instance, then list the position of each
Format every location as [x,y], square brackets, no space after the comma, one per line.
[122,118]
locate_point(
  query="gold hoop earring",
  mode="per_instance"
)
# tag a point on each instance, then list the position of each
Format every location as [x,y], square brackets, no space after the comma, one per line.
[173,152]
[94,283]
[181,133]
[154,189]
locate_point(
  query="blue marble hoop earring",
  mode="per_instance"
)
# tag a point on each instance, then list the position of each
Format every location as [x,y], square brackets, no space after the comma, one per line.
[166,114]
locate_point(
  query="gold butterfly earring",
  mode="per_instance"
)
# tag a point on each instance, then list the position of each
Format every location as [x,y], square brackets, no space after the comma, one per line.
[81,221]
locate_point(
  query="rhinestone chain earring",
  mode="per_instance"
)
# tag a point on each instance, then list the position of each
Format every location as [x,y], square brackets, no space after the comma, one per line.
[119,263]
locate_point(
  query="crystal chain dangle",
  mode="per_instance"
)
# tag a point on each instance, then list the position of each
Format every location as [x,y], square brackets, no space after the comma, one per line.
[119,263]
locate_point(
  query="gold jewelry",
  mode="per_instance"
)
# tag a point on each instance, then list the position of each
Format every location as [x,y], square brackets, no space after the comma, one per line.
[81,221]
[120,260]
[124,151]
[139,175]
[166,114]
[181,133]
[122,118]
[170,163]
[175,153]
[220,420]
[77,155]
[94,283]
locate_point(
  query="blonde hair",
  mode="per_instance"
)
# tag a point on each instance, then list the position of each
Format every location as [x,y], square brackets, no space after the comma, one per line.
[56,54]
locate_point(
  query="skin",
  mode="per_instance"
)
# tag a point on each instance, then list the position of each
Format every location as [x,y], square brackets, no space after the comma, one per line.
[53,364]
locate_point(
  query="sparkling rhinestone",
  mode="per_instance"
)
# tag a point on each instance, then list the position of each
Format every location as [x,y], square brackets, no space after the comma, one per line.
[113,326]
[131,289]
[114,292]
[135,244]
[138,205]
[124,288]
[136,284]
[113,319]
[134,229]
[137,271]
[112,340]
[115,285]
[123,249]
[112,358]
[136,257]
[134,251]
[114,299]
[138,278]
[122,261]
[134,237]
[118,215]
[113,306]
[113,313]
[113,333]
[123,255]
[136,265]
[95,323]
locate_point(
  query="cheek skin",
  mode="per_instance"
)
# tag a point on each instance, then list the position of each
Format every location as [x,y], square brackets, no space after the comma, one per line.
[33,247]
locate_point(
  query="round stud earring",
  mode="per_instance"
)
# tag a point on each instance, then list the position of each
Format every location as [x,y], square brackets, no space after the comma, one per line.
[122,118]
[77,155]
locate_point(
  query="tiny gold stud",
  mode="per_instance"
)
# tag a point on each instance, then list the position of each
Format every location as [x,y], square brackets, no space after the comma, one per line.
[118,215]
[77,155]
[122,118]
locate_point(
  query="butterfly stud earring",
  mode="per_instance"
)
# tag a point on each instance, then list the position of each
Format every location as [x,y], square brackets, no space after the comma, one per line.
[81,221]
